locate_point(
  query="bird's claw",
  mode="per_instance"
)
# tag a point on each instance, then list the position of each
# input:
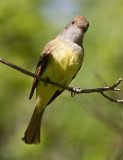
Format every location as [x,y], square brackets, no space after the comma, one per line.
[74,91]
[72,94]
[47,81]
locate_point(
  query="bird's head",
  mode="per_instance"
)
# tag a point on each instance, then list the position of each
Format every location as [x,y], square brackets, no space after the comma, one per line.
[75,30]
[81,22]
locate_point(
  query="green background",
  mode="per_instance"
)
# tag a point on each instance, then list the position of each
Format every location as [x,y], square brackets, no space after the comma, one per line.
[85,127]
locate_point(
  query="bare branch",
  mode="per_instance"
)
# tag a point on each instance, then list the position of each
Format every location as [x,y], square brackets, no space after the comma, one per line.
[111,94]
[73,90]
[111,99]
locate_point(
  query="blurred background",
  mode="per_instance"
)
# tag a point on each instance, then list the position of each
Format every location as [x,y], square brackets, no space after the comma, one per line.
[85,127]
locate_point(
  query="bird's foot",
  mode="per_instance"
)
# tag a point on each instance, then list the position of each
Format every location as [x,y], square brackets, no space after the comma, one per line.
[47,79]
[74,91]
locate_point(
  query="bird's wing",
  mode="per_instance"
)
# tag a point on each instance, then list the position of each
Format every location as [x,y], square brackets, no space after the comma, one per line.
[40,68]
[43,61]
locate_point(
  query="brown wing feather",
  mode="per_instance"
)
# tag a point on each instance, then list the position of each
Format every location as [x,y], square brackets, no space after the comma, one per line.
[40,68]
[46,55]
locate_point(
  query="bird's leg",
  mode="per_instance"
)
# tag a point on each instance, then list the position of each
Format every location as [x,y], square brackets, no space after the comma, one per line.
[74,91]
[47,79]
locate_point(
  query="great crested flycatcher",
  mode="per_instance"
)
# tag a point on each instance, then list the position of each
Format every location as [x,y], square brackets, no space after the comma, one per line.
[60,60]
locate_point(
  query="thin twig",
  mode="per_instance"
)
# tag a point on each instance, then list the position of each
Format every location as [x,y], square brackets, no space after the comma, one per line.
[71,89]
[99,77]
[111,99]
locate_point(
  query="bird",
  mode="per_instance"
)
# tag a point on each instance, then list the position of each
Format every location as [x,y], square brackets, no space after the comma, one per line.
[60,61]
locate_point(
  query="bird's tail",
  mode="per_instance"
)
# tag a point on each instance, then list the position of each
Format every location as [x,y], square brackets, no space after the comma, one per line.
[32,133]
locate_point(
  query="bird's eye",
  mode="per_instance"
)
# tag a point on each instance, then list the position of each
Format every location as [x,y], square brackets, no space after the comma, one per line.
[73,22]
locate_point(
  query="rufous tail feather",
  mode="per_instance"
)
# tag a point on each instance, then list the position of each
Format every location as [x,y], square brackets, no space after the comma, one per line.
[32,133]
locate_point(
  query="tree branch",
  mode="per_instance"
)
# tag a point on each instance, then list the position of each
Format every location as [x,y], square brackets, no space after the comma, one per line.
[73,90]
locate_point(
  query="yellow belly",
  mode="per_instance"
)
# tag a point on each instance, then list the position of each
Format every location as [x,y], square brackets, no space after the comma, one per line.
[61,68]
[64,64]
